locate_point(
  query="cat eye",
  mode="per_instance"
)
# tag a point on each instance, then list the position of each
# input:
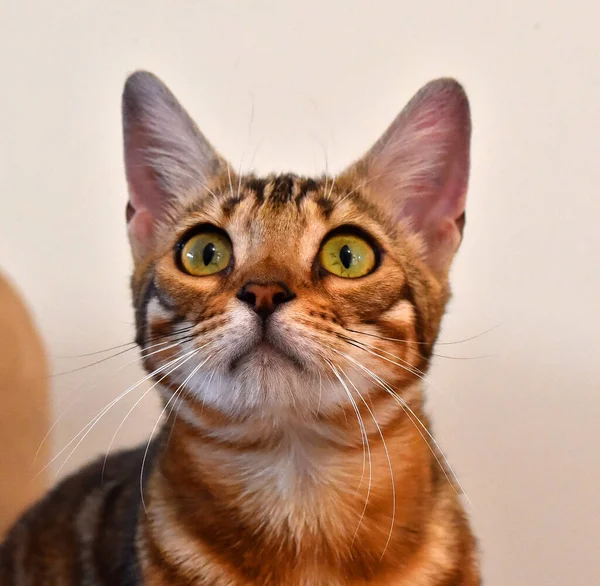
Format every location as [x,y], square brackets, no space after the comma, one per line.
[348,256]
[205,253]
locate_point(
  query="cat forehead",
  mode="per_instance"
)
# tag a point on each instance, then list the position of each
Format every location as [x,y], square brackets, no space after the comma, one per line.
[274,214]
[277,192]
[286,200]
[279,209]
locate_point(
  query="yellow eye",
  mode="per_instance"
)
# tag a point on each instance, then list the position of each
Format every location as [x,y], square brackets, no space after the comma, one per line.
[205,254]
[348,256]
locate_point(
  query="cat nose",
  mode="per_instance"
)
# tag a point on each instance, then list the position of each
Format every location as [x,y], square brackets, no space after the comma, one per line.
[265,298]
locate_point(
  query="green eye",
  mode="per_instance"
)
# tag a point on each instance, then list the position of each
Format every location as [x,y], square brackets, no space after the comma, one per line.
[205,254]
[347,256]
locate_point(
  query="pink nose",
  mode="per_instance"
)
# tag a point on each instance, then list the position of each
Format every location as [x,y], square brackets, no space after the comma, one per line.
[265,298]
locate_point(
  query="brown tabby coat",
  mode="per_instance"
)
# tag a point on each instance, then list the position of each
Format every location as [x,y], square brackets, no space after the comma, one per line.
[295,450]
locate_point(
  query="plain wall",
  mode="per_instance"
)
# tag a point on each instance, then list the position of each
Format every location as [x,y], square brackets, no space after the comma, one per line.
[293,85]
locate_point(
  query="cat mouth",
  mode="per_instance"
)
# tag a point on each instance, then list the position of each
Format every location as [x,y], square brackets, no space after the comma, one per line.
[265,354]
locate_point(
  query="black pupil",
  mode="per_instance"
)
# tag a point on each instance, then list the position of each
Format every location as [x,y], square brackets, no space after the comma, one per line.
[208,253]
[346,256]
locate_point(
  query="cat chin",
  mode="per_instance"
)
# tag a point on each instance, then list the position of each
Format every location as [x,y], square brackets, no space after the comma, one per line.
[265,383]
[262,360]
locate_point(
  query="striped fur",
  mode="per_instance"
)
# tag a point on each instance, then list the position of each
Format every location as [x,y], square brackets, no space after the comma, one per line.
[296,451]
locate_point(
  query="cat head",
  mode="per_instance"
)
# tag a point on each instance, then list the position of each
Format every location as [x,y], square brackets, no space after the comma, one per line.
[287,294]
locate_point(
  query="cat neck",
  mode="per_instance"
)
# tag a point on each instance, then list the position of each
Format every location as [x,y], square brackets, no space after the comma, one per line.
[351,498]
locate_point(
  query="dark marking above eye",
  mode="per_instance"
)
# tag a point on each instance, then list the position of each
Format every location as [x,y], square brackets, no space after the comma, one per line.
[304,187]
[230,204]
[208,253]
[282,189]
[325,206]
[258,186]
[346,256]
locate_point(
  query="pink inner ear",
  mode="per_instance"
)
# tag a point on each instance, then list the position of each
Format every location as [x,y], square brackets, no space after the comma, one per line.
[442,199]
[437,210]
[144,190]
[141,230]
[143,194]
[148,196]
[421,167]
[146,200]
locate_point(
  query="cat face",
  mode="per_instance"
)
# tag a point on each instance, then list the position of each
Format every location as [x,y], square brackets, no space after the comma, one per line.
[286,294]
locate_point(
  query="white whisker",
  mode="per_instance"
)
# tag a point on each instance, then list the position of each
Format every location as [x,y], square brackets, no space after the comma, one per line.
[387,454]
[406,364]
[365,442]
[150,389]
[230,183]
[97,418]
[105,411]
[415,419]
[328,196]
[251,164]
[179,389]
[115,371]
[347,195]
[363,429]
[98,361]
[424,343]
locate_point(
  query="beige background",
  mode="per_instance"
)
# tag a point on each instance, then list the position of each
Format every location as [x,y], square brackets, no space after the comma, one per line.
[323,79]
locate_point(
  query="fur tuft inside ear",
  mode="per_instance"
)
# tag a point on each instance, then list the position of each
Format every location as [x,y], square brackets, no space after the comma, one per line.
[165,155]
[419,168]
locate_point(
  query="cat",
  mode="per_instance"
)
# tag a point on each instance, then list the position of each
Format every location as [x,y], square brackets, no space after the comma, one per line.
[288,323]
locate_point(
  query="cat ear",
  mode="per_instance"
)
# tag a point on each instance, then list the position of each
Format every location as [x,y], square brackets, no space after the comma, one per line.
[165,155]
[420,168]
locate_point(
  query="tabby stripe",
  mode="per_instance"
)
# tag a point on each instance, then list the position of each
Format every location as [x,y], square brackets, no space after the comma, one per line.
[130,564]
[160,296]
[235,445]
[86,525]
[282,189]
[305,186]
[258,187]
[457,576]
[150,292]
[161,562]
[325,206]
[130,567]
[424,348]
[141,312]
[105,515]
[229,205]
[122,502]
